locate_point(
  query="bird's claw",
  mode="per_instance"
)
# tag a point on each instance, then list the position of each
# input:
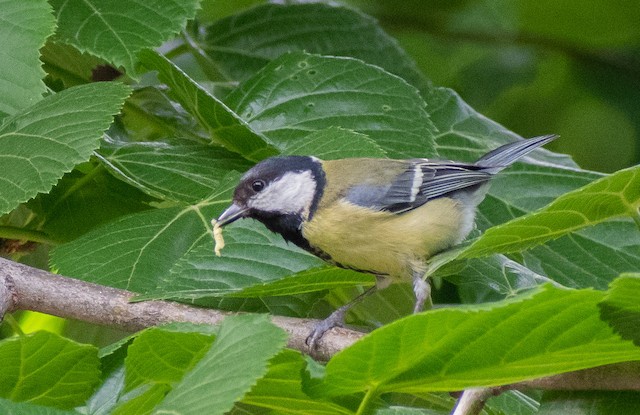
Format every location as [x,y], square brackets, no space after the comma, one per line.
[335,319]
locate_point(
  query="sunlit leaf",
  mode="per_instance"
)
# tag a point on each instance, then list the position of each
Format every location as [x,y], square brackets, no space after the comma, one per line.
[281,389]
[608,198]
[8,407]
[46,369]
[621,308]
[42,142]
[237,359]
[551,331]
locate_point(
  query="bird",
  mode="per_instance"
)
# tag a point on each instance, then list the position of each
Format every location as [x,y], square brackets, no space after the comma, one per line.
[380,216]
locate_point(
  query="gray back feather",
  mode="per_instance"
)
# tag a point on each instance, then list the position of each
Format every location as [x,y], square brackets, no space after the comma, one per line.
[424,180]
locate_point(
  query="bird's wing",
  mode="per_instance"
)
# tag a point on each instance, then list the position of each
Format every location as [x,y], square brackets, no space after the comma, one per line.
[423,180]
[414,182]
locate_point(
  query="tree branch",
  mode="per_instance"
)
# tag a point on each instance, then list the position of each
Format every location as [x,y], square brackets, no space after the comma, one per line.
[616,377]
[26,288]
[6,295]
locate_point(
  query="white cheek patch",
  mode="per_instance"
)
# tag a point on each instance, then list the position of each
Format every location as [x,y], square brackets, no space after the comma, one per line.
[292,193]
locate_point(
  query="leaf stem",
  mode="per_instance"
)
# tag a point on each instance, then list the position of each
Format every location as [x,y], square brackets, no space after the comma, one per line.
[21,234]
[636,218]
[13,324]
[366,401]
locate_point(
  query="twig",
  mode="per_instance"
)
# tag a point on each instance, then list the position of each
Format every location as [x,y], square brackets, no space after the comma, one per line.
[472,401]
[26,288]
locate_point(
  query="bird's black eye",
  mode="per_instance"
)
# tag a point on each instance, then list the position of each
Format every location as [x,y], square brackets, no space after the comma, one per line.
[258,185]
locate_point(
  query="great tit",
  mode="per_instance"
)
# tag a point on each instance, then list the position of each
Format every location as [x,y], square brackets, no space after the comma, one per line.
[380,216]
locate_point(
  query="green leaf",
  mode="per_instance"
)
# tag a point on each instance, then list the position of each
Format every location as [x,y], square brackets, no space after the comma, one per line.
[80,202]
[171,170]
[142,399]
[513,402]
[253,256]
[280,390]
[541,334]
[608,198]
[104,28]
[135,251]
[490,279]
[65,63]
[106,395]
[589,257]
[335,143]
[157,359]
[298,93]
[621,309]
[245,42]
[310,280]
[20,408]
[26,25]
[592,257]
[237,359]
[40,144]
[396,410]
[142,404]
[224,125]
[465,134]
[149,115]
[161,356]
[590,403]
[381,307]
[46,369]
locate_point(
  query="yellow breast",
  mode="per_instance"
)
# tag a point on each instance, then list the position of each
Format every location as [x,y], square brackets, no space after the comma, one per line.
[386,243]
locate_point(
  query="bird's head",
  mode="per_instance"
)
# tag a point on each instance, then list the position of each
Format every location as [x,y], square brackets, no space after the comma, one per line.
[276,189]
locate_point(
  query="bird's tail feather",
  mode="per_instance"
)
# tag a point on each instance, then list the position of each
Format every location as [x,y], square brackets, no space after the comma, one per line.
[507,154]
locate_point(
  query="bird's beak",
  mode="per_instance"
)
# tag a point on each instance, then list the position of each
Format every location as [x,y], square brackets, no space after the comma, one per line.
[233,213]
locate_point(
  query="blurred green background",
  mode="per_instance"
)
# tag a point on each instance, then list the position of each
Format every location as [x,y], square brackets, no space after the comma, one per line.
[537,67]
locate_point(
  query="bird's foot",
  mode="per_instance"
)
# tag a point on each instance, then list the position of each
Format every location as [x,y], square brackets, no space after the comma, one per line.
[422,290]
[335,319]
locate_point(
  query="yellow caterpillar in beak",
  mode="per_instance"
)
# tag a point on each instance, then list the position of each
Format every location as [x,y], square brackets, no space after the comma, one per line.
[217,237]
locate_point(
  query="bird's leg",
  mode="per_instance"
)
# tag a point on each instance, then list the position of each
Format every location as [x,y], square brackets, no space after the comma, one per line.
[422,290]
[335,319]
